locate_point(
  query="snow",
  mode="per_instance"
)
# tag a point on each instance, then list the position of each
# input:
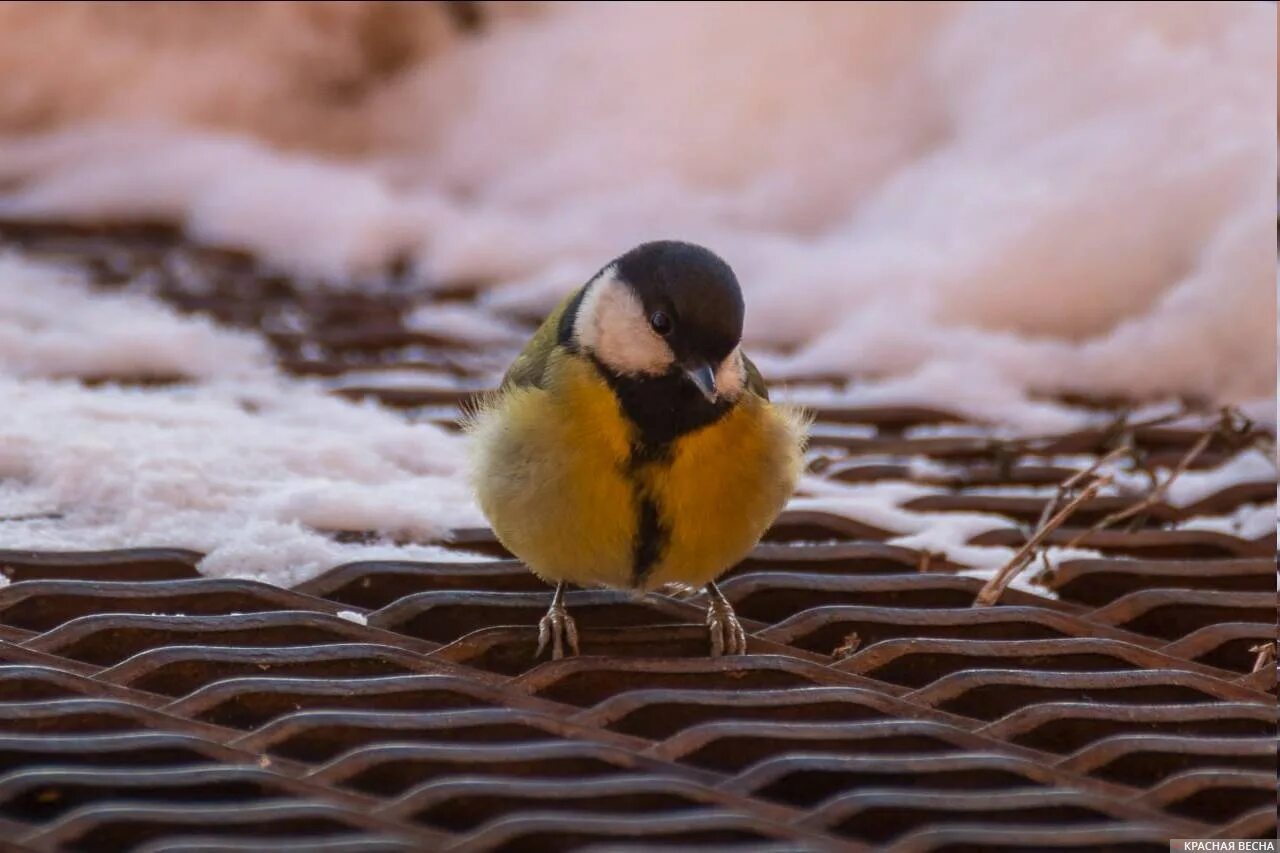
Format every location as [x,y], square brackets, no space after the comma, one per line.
[193,468]
[1251,521]
[946,430]
[1012,491]
[254,468]
[835,431]
[945,533]
[971,201]
[241,463]
[986,562]
[1249,466]
[396,378]
[924,468]
[353,616]
[49,329]
[878,504]
[464,323]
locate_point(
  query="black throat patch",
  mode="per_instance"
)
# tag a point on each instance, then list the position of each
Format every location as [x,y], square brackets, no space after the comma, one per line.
[663,408]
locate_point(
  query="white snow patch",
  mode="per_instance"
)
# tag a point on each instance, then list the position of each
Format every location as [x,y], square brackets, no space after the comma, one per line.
[1251,521]
[955,203]
[353,616]
[48,328]
[1012,491]
[832,431]
[946,430]
[1025,580]
[926,468]
[396,378]
[464,323]
[946,533]
[243,464]
[879,505]
[247,473]
[1249,466]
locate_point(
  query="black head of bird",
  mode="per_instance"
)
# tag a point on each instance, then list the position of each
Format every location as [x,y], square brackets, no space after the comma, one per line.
[666,309]
[663,323]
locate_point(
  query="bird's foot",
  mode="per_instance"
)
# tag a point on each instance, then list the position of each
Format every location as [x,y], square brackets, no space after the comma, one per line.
[557,628]
[727,636]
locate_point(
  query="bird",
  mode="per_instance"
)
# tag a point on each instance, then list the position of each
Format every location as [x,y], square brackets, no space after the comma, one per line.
[632,444]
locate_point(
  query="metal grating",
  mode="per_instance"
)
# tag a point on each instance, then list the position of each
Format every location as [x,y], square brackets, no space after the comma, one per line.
[877,709]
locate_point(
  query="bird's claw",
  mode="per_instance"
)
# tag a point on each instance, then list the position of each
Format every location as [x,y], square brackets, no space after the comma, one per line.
[557,628]
[727,636]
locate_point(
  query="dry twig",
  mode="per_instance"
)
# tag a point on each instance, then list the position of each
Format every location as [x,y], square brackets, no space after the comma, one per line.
[1119,428]
[1155,496]
[1266,656]
[927,558]
[1232,427]
[847,647]
[1055,513]
[1071,483]
[992,590]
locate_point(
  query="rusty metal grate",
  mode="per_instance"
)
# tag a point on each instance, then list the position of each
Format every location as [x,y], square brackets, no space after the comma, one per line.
[877,709]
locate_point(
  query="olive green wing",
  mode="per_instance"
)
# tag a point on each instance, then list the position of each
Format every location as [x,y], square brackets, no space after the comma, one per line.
[529,368]
[755,382]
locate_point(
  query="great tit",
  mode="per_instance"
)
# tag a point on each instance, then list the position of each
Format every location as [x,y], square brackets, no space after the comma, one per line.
[632,444]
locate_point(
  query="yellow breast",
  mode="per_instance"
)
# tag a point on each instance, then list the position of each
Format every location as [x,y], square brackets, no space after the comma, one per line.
[554,474]
[723,487]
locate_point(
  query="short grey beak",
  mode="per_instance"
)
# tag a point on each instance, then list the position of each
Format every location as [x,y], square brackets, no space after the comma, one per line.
[704,377]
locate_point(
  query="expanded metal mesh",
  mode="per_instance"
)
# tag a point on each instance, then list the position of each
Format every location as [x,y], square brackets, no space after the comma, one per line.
[143,707]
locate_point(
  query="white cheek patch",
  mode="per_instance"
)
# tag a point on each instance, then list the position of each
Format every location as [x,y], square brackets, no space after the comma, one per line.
[731,375]
[611,324]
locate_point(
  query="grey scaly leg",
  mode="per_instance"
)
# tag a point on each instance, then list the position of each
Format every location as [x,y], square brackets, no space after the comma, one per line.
[727,636]
[557,627]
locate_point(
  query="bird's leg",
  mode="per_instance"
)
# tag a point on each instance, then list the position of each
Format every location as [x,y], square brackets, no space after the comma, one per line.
[557,627]
[727,636]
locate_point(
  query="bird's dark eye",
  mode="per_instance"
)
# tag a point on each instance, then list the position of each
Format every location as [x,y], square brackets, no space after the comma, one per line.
[661,323]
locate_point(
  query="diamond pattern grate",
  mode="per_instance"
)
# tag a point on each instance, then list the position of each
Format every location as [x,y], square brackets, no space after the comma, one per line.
[143,707]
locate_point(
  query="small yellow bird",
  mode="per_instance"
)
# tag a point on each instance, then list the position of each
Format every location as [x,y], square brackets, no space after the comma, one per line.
[632,444]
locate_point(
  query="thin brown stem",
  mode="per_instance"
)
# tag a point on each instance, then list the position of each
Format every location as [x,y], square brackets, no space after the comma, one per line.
[1069,484]
[1266,656]
[1121,426]
[994,588]
[1154,496]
